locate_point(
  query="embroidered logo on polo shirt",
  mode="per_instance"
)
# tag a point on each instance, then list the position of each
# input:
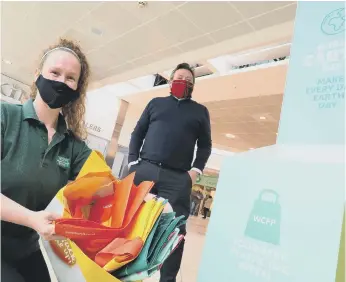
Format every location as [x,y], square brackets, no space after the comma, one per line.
[63,162]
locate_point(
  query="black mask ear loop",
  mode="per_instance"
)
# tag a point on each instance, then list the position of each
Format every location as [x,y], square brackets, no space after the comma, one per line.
[188,91]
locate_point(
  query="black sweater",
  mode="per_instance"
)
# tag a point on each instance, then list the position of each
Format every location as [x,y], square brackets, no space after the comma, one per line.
[171,129]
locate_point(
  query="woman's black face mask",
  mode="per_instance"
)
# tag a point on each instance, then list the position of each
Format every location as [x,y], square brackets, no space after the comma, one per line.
[55,94]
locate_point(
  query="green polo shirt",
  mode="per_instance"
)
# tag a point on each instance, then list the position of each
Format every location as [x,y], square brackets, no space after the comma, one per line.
[33,171]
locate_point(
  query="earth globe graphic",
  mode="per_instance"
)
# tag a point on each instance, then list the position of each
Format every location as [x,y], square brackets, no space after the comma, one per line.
[334,22]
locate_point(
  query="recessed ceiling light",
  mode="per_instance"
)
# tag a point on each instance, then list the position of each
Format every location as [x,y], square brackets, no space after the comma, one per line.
[276,133]
[96,31]
[251,148]
[229,135]
[263,118]
[7,62]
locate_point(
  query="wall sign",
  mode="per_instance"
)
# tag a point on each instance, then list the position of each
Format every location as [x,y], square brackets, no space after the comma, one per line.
[93,128]
[205,180]
[102,109]
[97,143]
[13,91]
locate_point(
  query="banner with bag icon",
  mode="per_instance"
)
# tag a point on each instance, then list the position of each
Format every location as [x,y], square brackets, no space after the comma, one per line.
[106,223]
[299,237]
[265,217]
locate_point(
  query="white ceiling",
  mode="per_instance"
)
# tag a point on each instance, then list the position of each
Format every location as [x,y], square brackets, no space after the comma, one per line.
[121,38]
[126,45]
[215,67]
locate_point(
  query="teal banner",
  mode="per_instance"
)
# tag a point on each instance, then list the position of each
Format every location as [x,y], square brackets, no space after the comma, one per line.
[281,221]
[313,109]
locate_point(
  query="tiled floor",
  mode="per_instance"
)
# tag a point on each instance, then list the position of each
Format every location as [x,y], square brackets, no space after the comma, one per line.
[192,255]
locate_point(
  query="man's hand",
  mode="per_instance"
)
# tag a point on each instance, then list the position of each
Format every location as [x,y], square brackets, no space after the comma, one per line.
[193,174]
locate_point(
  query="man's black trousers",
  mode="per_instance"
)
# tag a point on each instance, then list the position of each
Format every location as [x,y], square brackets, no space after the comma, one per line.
[175,186]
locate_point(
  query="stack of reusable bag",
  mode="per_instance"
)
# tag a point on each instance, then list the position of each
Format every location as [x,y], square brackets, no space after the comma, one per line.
[112,227]
[161,242]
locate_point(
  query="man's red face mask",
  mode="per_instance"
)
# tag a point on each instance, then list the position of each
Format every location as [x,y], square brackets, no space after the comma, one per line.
[181,89]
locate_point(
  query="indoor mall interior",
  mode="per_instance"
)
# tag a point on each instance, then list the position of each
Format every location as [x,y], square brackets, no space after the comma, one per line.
[250,61]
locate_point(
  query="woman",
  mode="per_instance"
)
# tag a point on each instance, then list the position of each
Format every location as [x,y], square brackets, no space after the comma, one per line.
[42,149]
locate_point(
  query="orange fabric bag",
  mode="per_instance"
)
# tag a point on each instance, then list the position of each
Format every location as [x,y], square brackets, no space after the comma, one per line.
[97,209]
[96,216]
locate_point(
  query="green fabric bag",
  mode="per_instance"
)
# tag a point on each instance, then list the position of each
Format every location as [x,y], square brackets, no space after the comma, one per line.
[172,243]
[166,220]
[165,251]
[164,238]
[156,248]
[141,262]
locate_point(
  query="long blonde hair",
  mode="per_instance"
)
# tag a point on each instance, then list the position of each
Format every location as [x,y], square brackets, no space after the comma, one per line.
[73,112]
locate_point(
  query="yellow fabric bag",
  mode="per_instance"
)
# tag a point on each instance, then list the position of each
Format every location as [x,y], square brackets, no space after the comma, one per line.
[140,227]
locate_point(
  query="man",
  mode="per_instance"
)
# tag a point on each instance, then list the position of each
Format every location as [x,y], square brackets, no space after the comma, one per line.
[193,201]
[200,200]
[196,198]
[207,206]
[171,126]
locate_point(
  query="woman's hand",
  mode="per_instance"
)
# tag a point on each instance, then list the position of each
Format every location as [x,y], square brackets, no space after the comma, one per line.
[43,223]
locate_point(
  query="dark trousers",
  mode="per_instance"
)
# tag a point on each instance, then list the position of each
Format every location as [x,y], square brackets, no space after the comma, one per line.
[205,212]
[175,186]
[193,207]
[31,268]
